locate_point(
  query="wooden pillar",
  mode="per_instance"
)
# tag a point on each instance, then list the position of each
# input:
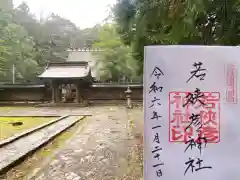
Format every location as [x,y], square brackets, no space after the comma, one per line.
[53,92]
[78,96]
[85,92]
[86,96]
[57,93]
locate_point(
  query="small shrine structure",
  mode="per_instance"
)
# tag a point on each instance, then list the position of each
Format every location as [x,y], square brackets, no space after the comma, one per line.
[70,80]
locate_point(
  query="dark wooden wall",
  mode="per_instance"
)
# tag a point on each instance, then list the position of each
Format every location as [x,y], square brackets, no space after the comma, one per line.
[22,94]
[95,92]
[113,93]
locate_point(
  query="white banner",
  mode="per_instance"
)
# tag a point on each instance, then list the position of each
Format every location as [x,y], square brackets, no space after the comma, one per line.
[192,124]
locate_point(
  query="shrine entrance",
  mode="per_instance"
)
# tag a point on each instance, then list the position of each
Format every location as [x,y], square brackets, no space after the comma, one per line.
[67,92]
[69,81]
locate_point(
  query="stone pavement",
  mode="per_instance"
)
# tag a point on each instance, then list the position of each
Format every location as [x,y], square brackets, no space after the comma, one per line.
[19,148]
[101,151]
[44,111]
[135,115]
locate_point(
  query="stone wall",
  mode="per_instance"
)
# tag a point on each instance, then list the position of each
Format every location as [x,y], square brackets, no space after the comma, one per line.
[96,92]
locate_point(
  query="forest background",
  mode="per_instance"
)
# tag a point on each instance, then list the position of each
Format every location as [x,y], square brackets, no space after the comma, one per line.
[28,43]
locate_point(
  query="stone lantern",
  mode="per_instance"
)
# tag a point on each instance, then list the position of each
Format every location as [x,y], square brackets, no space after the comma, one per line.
[128,93]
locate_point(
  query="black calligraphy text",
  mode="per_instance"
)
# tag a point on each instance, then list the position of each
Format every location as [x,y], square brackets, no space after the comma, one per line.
[199,72]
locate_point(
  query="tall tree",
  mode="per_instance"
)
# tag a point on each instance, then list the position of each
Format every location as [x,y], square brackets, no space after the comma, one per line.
[115,62]
[150,22]
[16,45]
[30,44]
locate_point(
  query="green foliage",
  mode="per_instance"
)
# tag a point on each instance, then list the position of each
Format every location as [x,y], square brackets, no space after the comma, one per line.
[115,62]
[151,22]
[30,44]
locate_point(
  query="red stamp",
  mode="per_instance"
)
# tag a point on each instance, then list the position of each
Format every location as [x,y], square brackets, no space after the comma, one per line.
[231,83]
[179,117]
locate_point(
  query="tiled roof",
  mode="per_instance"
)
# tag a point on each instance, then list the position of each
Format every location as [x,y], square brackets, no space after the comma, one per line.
[66,70]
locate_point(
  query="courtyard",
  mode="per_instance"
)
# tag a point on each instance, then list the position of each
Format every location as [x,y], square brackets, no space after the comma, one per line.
[107,145]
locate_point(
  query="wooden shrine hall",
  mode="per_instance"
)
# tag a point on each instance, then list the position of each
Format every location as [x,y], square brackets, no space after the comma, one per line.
[70,80]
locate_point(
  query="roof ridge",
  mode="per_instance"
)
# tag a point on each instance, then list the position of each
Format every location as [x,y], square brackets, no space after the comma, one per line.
[84,50]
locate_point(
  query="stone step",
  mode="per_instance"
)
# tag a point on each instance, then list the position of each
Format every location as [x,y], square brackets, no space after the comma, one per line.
[15,151]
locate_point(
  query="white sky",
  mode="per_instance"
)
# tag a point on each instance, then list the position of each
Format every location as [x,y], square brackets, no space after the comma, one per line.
[84,13]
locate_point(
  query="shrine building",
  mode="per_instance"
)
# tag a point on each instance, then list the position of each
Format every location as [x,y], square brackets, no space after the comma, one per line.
[70,80]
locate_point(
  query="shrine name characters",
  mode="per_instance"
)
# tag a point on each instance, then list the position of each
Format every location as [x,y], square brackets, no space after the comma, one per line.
[196,100]
[194,110]
[180,117]
[155,89]
[195,164]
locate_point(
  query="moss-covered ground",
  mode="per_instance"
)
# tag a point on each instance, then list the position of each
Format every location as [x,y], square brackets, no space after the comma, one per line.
[8,129]
[32,164]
